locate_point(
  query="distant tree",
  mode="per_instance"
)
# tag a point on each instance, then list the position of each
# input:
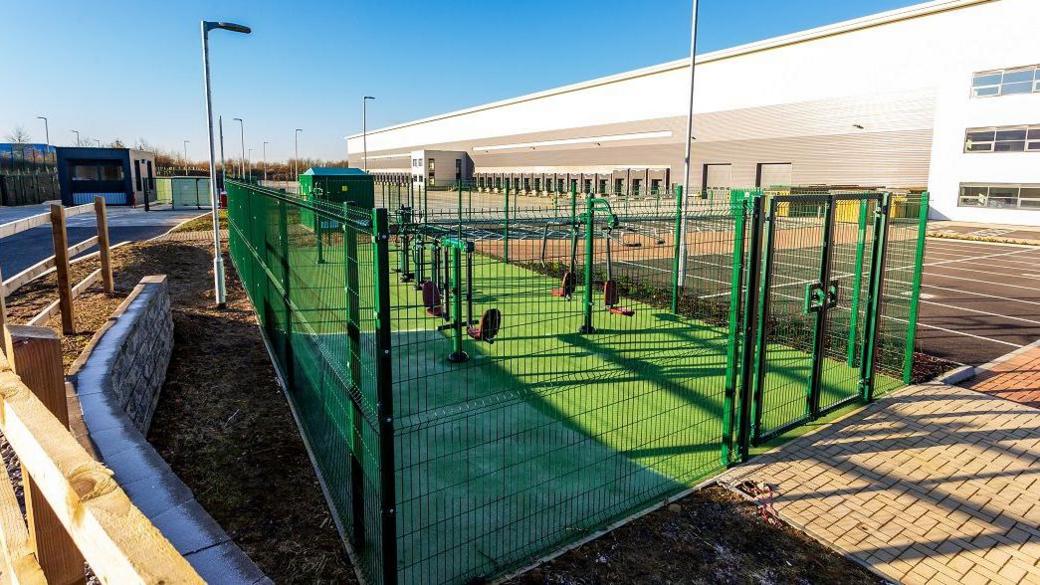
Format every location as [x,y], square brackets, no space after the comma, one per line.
[18,135]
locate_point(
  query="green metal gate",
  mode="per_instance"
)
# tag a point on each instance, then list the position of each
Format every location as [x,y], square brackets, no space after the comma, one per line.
[815,307]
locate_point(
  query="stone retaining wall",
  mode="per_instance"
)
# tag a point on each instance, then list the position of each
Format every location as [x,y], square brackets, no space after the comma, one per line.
[117,382]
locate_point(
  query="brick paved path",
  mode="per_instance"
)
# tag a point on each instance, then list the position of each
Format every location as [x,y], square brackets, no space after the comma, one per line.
[1015,376]
[935,484]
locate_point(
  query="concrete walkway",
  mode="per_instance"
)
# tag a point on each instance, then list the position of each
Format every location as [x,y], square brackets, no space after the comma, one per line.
[934,484]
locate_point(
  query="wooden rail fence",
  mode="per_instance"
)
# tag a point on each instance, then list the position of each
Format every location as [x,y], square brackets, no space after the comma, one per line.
[74,509]
[60,262]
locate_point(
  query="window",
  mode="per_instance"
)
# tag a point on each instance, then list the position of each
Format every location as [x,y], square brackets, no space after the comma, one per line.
[112,172]
[1002,139]
[602,186]
[655,186]
[85,173]
[537,185]
[458,169]
[99,171]
[588,186]
[1000,196]
[619,186]
[1019,80]
[559,185]
[637,184]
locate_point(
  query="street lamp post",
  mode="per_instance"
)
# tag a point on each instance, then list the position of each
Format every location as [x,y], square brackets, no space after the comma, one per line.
[218,261]
[265,160]
[46,128]
[364,127]
[186,156]
[681,276]
[242,129]
[296,153]
[76,132]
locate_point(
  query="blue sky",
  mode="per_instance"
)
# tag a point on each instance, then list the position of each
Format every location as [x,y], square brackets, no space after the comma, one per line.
[115,68]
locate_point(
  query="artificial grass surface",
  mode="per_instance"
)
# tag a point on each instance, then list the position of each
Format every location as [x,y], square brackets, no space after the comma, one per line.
[539,437]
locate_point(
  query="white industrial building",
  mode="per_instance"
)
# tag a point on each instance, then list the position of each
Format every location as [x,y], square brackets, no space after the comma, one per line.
[943,96]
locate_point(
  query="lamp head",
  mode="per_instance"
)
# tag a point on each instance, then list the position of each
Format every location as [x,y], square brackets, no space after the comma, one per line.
[238,28]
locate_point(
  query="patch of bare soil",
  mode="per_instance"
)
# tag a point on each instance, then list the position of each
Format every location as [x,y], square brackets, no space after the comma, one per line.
[709,537]
[223,425]
[91,309]
[222,422]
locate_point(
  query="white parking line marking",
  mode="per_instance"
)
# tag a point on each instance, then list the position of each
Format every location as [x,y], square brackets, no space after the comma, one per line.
[981,312]
[964,333]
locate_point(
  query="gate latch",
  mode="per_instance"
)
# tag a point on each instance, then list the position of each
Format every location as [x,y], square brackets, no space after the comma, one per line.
[817,298]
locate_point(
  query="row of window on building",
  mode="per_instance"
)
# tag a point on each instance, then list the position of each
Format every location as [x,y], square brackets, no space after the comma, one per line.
[1014,81]
[1003,139]
[634,182]
[1000,195]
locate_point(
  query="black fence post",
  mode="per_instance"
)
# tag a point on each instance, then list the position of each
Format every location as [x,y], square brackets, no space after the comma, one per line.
[747,358]
[352,296]
[872,317]
[812,396]
[384,396]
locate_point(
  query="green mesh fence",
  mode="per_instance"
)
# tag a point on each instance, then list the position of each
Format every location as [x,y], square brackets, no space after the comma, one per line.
[484,375]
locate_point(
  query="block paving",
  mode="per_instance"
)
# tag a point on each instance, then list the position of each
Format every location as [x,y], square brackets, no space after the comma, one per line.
[934,484]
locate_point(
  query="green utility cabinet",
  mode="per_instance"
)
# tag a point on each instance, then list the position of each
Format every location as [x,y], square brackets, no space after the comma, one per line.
[336,186]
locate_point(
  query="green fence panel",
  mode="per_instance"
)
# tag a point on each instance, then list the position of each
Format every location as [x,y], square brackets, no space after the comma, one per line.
[476,390]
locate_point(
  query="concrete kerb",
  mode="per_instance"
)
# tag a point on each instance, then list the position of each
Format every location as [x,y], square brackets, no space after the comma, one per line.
[991,365]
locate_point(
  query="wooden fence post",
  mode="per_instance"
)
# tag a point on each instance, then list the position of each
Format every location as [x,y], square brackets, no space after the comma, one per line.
[37,353]
[103,244]
[5,335]
[61,262]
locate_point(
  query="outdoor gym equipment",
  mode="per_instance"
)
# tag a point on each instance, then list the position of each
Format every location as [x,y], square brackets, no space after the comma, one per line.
[591,204]
[486,329]
[405,236]
[611,296]
[569,281]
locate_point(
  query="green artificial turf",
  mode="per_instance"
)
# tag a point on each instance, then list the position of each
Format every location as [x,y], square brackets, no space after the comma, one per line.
[539,437]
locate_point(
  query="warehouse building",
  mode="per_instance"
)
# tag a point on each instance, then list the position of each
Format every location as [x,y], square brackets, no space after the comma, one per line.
[943,96]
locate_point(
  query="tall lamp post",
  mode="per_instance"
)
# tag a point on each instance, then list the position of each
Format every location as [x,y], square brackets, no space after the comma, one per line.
[242,130]
[186,156]
[76,132]
[46,128]
[689,149]
[296,153]
[364,127]
[220,295]
[265,159]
